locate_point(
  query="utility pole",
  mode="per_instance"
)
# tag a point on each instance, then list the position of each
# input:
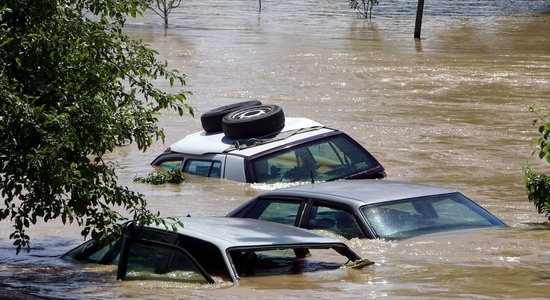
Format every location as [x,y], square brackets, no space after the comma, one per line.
[418,23]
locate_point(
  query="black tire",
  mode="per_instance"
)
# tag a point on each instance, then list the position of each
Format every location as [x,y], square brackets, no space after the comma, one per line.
[212,120]
[253,121]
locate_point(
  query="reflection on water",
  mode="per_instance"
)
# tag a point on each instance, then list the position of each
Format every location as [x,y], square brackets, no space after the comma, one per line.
[449,109]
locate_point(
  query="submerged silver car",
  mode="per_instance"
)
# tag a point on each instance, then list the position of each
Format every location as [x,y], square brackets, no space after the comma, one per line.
[288,150]
[209,248]
[369,209]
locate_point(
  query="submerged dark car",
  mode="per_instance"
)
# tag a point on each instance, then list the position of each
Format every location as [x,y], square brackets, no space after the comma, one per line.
[208,248]
[369,209]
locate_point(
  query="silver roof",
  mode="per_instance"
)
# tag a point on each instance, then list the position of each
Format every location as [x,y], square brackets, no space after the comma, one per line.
[236,232]
[361,191]
[200,143]
[252,234]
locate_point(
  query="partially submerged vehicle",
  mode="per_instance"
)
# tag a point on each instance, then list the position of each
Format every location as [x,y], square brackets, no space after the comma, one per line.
[369,209]
[255,143]
[209,248]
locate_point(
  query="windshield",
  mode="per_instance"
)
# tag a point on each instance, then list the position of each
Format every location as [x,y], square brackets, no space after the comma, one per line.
[412,217]
[321,160]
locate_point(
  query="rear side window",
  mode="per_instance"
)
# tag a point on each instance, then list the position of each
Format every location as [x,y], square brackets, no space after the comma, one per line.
[280,211]
[328,159]
[205,168]
[170,164]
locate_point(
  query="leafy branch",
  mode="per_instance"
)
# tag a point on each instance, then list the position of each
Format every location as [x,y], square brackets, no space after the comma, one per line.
[174,175]
[364,7]
[538,184]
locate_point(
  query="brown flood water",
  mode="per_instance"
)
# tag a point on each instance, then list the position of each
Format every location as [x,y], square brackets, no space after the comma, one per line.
[450,109]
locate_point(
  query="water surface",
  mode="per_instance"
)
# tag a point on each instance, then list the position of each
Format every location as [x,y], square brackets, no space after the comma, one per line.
[450,109]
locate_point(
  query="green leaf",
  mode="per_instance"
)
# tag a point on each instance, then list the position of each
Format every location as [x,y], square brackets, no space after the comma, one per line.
[67,111]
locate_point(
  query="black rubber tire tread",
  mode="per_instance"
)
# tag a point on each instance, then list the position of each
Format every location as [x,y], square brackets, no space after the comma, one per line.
[256,126]
[212,120]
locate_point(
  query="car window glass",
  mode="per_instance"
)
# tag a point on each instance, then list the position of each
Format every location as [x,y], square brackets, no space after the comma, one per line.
[285,261]
[170,165]
[103,251]
[336,220]
[98,252]
[327,159]
[450,211]
[274,210]
[426,215]
[161,263]
[203,168]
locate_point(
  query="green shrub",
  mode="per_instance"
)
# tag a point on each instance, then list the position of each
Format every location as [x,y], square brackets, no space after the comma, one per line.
[173,176]
[538,184]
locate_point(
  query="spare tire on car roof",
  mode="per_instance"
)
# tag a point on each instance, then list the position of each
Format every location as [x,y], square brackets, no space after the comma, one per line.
[253,121]
[212,120]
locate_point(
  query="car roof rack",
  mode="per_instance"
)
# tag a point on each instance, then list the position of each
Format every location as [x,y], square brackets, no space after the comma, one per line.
[252,142]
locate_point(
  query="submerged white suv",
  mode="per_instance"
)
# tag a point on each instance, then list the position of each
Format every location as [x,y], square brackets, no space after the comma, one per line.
[265,147]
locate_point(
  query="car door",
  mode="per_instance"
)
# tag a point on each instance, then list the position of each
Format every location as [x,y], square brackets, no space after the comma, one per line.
[305,213]
[338,219]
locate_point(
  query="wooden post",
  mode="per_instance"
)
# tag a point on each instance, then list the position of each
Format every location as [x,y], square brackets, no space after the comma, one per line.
[418,23]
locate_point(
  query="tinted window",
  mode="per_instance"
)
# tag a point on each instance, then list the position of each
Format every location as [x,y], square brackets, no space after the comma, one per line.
[427,215]
[161,263]
[327,159]
[274,210]
[203,168]
[336,220]
[104,251]
[170,165]
[285,261]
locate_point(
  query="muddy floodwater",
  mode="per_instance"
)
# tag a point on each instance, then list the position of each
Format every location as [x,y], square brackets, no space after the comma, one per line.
[450,109]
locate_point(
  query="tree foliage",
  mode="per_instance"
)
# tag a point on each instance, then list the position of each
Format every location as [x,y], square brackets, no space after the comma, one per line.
[72,88]
[364,7]
[163,8]
[538,184]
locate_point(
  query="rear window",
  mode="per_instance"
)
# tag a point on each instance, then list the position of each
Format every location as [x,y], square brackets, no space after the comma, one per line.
[292,260]
[322,160]
[403,219]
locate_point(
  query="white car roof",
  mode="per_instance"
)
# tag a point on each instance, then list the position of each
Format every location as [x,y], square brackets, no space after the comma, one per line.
[200,143]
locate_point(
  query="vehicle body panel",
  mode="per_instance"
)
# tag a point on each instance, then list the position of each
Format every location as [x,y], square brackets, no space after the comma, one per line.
[205,244]
[239,158]
[339,206]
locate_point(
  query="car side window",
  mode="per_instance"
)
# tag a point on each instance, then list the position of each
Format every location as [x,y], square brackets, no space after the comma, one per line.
[169,165]
[158,262]
[335,220]
[277,210]
[271,169]
[322,160]
[205,168]
[104,251]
